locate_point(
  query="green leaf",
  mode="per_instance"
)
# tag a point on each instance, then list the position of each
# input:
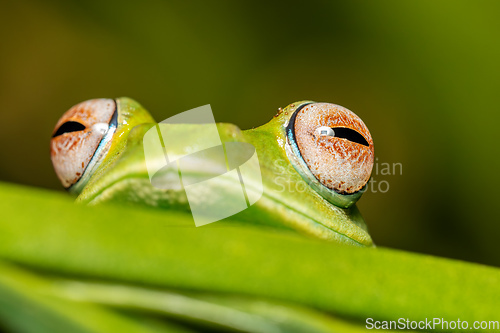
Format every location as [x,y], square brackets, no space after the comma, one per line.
[46,230]
[217,311]
[24,309]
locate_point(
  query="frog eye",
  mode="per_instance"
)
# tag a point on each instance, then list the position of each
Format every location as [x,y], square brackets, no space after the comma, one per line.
[334,145]
[82,137]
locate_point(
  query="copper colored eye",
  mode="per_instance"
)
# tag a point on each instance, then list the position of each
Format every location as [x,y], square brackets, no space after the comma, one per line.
[77,136]
[336,146]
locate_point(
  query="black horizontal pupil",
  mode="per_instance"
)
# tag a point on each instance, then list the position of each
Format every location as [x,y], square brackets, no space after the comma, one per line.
[351,135]
[68,127]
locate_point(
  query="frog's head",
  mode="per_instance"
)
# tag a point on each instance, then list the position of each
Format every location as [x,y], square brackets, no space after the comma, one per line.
[315,161]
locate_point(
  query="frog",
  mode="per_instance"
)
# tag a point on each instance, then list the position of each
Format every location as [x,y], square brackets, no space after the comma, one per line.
[315,163]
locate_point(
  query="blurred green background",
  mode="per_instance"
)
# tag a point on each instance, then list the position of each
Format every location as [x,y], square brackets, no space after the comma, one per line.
[423,75]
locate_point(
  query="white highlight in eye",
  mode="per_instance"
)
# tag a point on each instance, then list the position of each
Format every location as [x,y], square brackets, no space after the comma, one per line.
[325,131]
[100,128]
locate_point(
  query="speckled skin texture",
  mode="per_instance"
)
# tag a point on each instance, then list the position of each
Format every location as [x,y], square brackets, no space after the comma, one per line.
[338,163]
[71,152]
